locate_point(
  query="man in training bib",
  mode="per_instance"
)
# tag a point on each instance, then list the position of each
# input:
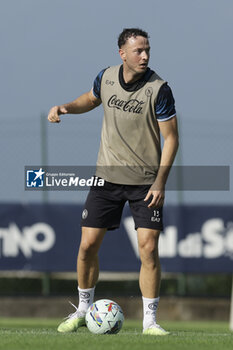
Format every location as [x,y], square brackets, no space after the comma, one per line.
[138,107]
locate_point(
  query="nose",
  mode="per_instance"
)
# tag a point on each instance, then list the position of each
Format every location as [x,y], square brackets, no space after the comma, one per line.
[145,55]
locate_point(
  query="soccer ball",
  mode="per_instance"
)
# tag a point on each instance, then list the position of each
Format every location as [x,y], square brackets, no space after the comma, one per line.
[104,317]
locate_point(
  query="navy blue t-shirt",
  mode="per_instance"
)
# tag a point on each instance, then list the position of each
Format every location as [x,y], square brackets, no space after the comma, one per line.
[165,104]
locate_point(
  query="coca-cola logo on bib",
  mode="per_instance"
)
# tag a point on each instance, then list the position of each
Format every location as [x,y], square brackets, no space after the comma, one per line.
[130,106]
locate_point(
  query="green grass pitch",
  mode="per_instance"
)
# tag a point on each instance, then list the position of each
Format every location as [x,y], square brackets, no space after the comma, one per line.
[36,334]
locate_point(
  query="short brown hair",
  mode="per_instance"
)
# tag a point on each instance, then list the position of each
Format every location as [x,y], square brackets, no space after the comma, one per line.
[128,33]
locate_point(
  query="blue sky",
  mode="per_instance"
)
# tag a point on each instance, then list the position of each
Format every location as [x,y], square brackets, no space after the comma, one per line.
[52,50]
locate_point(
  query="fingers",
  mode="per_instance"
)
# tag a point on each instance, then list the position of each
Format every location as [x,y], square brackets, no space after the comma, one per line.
[156,203]
[149,193]
[54,113]
[157,199]
[53,116]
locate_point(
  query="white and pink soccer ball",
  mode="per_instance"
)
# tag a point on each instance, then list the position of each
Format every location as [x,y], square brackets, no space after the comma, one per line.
[104,317]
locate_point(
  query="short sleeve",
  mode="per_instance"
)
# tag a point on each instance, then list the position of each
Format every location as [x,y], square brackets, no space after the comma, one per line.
[165,104]
[97,84]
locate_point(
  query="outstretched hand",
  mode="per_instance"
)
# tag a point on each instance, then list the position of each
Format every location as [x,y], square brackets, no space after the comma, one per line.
[54,113]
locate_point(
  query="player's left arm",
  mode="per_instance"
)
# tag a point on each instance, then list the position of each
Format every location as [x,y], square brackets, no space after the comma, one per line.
[169,131]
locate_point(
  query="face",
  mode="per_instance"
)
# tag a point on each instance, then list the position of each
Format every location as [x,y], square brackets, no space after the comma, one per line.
[135,55]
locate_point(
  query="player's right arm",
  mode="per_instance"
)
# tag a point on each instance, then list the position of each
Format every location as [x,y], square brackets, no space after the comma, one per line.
[82,104]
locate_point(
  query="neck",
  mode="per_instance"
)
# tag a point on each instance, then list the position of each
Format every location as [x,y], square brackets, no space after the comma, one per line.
[131,77]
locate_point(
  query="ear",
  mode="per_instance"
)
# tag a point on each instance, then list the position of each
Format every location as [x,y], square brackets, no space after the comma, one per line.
[122,54]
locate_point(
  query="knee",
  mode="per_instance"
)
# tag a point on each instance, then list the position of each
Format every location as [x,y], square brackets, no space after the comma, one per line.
[88,248]
[90,242]
[148,249]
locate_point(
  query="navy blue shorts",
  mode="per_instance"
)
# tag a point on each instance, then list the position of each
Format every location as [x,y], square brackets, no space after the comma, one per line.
[104,206]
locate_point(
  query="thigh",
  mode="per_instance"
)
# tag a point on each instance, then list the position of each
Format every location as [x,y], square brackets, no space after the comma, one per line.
[103,207]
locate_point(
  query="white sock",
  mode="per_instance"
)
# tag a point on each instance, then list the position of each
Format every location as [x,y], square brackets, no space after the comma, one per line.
[150,307]
[86,298]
